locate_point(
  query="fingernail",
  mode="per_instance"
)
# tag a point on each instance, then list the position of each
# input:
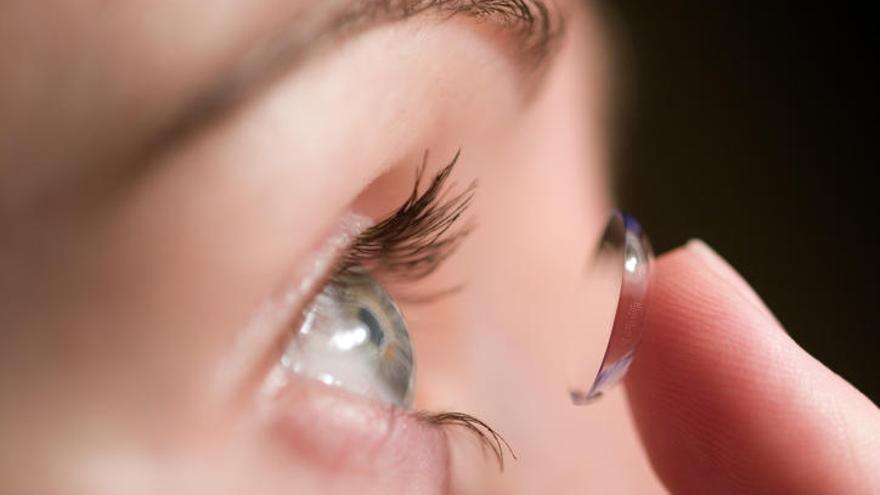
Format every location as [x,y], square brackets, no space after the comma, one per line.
[721,268]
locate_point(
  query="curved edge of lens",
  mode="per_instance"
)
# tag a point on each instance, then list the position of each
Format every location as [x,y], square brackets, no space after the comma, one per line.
[628,326]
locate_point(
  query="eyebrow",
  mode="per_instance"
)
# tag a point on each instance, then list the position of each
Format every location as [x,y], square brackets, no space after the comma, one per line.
[534,25]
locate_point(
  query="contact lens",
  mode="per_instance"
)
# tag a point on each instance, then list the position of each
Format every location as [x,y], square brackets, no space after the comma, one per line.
[609,320]
[354,337]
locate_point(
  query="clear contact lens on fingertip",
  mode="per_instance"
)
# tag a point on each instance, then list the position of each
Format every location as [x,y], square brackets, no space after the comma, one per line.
[609,320]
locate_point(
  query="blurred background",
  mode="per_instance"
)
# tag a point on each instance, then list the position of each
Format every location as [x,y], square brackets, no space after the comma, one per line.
[753,127]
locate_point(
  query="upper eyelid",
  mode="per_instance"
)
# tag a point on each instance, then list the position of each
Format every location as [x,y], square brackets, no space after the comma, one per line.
[536,25]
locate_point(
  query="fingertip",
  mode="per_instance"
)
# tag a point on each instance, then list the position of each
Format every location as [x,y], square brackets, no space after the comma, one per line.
[725,401]
[725,273]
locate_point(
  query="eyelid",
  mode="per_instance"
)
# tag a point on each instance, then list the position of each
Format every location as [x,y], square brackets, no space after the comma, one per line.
[535,27]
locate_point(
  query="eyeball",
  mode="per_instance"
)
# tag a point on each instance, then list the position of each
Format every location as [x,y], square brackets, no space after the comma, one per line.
[353,336]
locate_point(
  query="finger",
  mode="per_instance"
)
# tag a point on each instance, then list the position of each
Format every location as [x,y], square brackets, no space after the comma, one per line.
[726,402]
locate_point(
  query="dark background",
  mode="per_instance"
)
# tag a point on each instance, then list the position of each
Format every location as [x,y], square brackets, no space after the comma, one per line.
[754,127]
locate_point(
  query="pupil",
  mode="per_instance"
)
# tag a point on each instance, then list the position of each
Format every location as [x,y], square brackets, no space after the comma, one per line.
[377,336]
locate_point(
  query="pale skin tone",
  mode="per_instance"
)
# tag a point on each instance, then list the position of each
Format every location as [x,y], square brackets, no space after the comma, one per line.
[129,285]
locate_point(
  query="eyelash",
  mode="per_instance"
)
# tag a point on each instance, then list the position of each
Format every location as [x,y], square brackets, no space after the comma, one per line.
[409,245]
[418,237]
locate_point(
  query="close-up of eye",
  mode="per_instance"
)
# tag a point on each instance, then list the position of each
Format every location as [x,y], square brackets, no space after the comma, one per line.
[353,333]
[354,336]
[436,247]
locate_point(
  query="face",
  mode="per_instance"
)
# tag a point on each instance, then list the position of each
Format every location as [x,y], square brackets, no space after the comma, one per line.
[180,185]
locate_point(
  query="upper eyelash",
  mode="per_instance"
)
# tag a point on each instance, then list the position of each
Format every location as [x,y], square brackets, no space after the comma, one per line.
[413,241]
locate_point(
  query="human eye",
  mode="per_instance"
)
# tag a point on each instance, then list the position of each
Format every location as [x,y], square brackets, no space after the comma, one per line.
[353,334]
[353,337]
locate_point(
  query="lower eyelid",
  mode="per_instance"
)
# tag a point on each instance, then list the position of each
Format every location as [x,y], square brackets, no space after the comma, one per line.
[340,431]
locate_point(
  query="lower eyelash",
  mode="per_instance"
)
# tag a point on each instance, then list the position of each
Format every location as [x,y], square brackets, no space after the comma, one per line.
[488,437]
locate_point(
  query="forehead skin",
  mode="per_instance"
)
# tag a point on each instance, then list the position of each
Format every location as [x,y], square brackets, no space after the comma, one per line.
[93,77]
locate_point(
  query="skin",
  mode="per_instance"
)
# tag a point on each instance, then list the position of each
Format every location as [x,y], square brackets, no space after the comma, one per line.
[129,357]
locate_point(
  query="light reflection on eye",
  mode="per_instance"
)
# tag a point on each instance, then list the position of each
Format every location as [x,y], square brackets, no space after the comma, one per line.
[354,336]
